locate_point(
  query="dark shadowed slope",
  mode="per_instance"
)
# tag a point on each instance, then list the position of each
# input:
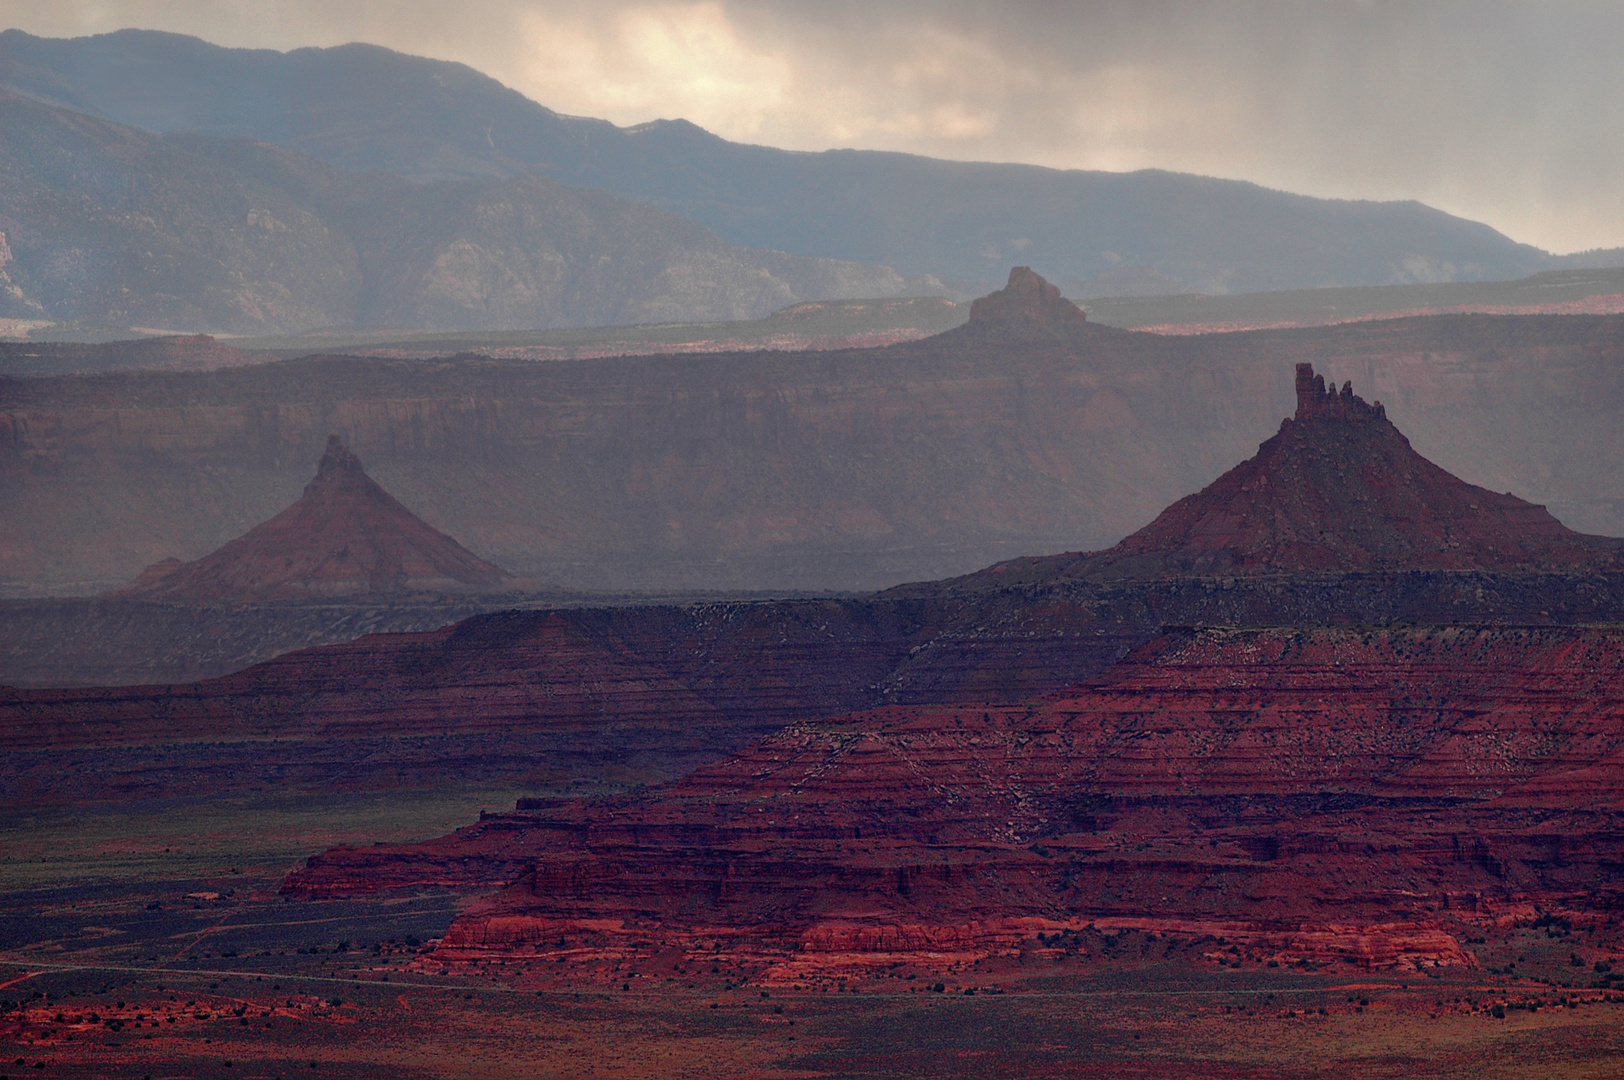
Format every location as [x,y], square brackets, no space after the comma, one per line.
[346,536]
[363,107]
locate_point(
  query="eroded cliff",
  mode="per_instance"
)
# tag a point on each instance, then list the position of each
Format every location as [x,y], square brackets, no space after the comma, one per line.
[1314,795]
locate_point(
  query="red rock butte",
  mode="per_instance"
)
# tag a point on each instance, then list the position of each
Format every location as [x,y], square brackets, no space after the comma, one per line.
[1337,489]
[345,536]
[1027,299]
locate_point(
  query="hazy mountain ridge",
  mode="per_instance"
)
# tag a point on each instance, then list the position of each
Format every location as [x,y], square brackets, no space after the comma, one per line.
[108,224]
[365,107]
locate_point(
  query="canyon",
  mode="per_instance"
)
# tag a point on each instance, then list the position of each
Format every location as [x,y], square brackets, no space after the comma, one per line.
[709,674]
[1363,794]
[1367,750]
[1324,759]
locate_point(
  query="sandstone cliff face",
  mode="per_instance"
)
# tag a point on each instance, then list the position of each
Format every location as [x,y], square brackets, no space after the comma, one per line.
[345,536]
[848,469]
[1354,794]
[1316,792]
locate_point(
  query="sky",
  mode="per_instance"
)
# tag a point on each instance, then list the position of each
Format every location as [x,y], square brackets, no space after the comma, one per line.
[1510,113]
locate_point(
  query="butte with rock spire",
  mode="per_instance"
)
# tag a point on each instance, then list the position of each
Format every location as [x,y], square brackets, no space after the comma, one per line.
[344,537]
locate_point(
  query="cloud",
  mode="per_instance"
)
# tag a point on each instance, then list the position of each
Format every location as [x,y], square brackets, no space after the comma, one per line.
[1506,112]
[648,61]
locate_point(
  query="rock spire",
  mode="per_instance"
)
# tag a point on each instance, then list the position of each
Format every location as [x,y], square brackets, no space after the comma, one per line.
[1316,401]
[1338,488]
[345,536]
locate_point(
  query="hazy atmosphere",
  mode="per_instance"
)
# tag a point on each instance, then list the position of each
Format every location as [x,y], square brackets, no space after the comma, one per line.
[1508,113]
[811,540]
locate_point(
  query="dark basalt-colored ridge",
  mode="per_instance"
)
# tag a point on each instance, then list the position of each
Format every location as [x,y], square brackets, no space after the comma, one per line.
[1337,489]
[345,536]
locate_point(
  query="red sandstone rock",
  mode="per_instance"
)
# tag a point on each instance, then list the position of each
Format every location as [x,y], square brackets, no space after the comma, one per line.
[1322,794]
[1338,488]
[345,536]
[775,470]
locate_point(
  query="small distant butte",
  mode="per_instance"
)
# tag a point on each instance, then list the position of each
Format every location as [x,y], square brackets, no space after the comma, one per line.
[344,537]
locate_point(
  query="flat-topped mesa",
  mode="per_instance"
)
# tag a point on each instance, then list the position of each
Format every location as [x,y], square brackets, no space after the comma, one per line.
[1316,401]
[1028,299]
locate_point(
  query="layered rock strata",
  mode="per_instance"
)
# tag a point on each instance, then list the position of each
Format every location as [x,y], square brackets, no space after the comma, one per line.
[1315,795]
[670,686]
[1321,794]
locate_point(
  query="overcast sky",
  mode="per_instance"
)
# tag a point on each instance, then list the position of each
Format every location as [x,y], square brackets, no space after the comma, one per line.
[1509,113]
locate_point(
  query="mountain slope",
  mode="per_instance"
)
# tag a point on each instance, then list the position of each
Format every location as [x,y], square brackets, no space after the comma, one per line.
[107,224]
[345,536]
[1317,796]
[1338,488]
[364,107]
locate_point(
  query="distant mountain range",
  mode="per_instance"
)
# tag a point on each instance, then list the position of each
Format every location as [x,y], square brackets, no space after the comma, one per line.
[108,224]
[166,209]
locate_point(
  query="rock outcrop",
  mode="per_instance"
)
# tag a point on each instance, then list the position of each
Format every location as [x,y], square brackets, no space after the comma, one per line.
[852,470]
[1338,489]
[345,536]
[1315,795]
[1027,299]
[1318,795]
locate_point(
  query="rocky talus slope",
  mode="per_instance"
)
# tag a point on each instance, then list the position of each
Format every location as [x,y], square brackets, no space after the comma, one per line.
[1338,489]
